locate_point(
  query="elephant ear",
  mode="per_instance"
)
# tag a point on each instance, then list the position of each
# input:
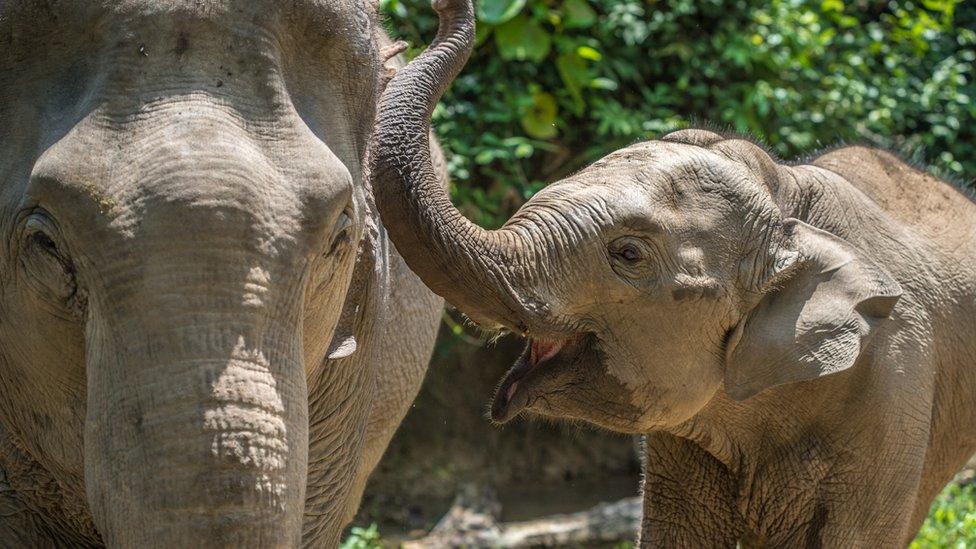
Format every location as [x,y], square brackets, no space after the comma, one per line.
[344,342]
[370,280]
[826,300]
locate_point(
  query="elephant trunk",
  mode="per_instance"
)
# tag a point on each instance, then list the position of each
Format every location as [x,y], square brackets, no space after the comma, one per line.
[479,271]
[197,426]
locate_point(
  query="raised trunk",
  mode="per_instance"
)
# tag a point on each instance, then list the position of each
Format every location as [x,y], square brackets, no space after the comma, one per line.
[196,434]
[479,271]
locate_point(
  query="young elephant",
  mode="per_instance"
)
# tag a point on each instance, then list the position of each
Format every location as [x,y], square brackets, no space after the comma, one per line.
[797,342]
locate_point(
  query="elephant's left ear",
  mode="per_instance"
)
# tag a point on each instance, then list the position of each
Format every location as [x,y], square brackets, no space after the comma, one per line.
[343,343]
[826,298]
[361,304]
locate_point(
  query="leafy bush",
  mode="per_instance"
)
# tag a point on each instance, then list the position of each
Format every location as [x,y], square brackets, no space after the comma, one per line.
[363,538]
[555,84]
[951,521]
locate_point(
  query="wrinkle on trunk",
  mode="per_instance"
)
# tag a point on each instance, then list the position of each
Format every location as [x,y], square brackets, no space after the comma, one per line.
[197,426]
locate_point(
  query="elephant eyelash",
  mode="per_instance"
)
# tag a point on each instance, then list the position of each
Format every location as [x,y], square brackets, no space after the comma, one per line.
[44,242]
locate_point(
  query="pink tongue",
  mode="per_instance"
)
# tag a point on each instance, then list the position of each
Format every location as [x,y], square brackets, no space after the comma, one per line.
[543,350]
[511,391]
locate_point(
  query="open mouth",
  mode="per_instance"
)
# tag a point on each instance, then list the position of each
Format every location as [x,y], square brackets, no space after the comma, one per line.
[535,362]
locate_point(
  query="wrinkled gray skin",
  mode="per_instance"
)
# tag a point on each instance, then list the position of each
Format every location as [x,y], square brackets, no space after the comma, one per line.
[189,251]
[796,341]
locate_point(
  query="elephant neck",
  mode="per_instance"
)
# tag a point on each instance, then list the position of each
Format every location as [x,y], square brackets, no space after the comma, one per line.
[793,425]
[752,456]
[35,507]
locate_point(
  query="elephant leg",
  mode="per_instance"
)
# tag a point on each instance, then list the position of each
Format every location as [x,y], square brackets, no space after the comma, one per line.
[338,412]
[877,514]
[407,335]
[935,478]
[689,496]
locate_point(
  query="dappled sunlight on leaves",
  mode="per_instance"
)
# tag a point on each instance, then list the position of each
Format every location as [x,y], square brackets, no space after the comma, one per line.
[801,75]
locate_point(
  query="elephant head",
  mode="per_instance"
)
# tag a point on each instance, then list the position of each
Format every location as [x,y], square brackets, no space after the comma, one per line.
[647,283]
[181,207]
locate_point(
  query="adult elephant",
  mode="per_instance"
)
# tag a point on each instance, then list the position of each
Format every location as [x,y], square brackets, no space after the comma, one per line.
[797,342]
[206,337]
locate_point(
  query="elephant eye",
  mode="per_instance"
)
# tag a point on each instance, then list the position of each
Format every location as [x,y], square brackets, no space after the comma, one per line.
[44,243]
[625,250]
[629,258]
[629,253]
[47,268]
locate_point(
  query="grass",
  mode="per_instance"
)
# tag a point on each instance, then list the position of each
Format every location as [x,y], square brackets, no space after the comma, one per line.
[363,538]
[951,524]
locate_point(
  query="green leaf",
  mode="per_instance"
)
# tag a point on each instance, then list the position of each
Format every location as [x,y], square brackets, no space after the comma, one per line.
[828,6]
[496,12]
[587,52]
[539,119]
[522,39]
[603,84]
[394,7]
[575,75]
[524,150]
[481,33]
[578,14]
[485,157]
[363,538]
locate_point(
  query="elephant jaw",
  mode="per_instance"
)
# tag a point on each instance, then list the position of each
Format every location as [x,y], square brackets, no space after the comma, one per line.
[538,361]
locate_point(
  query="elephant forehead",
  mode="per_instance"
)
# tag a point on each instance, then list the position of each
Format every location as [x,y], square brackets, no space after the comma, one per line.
[659,171]
[194,174]
[203,9]
[152,33]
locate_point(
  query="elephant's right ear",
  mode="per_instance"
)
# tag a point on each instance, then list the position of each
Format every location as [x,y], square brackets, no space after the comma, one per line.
[826,298]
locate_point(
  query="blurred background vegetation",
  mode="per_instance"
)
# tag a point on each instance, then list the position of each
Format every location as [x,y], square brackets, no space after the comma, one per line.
[555,84]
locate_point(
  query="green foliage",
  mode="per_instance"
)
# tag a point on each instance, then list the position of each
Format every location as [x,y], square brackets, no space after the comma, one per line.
[555,84]
[951,521]
[363,538]
[496,12]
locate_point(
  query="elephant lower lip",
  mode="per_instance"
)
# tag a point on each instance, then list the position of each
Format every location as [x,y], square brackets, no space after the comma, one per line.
[504,407]
[506,404]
